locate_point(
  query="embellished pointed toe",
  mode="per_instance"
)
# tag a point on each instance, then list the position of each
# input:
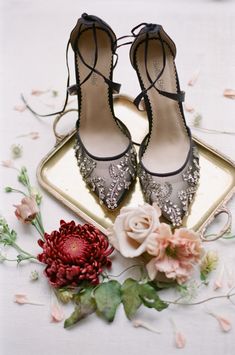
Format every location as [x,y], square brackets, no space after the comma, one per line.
[105,154]
[109,179]
[172,192]
[169,162]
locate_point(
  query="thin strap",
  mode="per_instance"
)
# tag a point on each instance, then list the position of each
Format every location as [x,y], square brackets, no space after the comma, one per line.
[115,86]
[179,96]
[74,89]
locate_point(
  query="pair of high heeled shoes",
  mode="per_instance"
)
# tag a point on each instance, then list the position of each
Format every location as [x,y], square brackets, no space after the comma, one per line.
[168,167]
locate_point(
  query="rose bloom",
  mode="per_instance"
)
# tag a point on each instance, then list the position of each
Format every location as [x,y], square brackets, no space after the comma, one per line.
[73,254]
[27,210]
[175,254]
[132,229]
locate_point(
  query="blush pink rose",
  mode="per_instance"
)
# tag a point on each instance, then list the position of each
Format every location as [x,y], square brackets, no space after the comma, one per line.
[132,229]
[175,254]
[27,210]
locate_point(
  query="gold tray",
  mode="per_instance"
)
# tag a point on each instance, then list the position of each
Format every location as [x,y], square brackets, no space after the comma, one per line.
[59,175]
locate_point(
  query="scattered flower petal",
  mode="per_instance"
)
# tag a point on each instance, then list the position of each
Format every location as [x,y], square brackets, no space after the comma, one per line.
[32,135]
[139,323]
[7,163]
[229,94]
[180,340]
[224,322]
[194,78]
[57,313]
[230,277]
[16,151]
[219,280]
[20,108]
[38,92]
[189,108]
[21,298]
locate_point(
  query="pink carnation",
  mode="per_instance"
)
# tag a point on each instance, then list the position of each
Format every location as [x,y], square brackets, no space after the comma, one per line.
[175,254]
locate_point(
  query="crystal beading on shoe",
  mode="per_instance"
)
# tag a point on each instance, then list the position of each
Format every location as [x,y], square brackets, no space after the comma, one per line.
[161,189]
[108,179]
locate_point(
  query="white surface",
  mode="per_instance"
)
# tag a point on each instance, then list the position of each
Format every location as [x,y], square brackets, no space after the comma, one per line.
[33,39]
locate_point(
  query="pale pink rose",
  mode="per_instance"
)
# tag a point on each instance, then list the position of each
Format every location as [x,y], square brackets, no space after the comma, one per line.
[27,210]
[132,229]
[176,254]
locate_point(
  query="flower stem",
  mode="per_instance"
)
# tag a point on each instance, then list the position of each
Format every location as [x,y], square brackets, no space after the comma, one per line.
[38,227]
[130,267]
[20,250]
[25,258]
[18,191]
[39,220]
[228,296]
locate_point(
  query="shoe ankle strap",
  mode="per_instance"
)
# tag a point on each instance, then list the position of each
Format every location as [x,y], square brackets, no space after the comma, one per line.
[146,32]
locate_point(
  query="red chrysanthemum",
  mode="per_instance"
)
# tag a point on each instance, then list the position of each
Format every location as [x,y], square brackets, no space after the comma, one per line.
[74,253]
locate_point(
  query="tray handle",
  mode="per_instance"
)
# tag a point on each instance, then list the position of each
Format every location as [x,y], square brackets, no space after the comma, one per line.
[59,137]
[226,228]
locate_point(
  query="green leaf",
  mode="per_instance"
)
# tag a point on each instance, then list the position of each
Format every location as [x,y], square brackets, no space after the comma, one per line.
[85,306]
[130,297]
[150,297]
[108,298]
[203,276]
[8,189]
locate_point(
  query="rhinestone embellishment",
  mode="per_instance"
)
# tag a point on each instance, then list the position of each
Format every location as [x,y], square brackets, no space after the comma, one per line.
[121,173]
[161,193]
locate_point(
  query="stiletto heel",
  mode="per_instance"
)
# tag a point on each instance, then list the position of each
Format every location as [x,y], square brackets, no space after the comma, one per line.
[169,162]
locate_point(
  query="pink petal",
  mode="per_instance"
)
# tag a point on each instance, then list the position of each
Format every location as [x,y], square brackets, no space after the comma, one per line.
[224,323]
[151,269]
[219,281]
[57,313]
[229,94]
[32,135]
[218,284]
[139,323]
[180,340]
[20,108]
[38,92]
[21,298]
[194,78]
[7,163]
[189,108]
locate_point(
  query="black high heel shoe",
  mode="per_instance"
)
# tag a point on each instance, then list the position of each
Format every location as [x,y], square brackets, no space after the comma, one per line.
[104,150]
[169,162]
